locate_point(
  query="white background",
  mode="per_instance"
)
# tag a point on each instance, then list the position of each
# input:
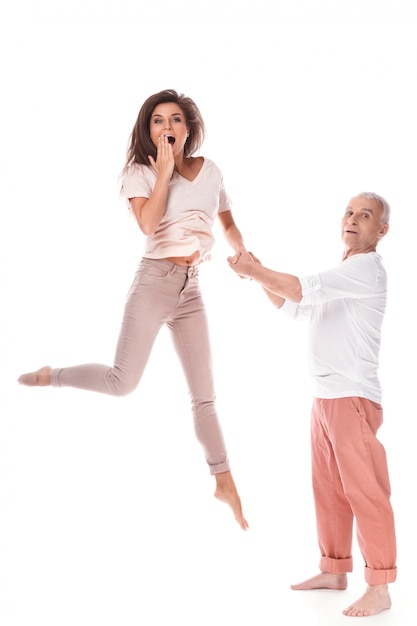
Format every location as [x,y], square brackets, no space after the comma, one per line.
[106,508]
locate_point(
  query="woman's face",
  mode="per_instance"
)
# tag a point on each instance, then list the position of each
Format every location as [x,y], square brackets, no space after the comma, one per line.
[168,119]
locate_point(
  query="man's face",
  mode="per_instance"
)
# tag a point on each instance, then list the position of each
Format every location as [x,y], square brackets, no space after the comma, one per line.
[361,226]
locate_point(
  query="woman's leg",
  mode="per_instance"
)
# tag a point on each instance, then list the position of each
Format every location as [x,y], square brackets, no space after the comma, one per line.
[189,328]
[190,333]
[149,303]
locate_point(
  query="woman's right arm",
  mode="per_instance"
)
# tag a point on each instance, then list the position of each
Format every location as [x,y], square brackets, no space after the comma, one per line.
[150,211]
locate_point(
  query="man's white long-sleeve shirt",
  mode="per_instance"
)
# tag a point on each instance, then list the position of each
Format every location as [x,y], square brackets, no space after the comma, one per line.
[346,307]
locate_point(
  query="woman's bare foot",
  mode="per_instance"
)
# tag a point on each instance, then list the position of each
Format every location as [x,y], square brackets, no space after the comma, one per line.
[226,492]
[324,580]
[375,599]
[40,378]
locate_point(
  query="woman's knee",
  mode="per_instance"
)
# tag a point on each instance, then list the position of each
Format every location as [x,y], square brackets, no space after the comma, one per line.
[120,386]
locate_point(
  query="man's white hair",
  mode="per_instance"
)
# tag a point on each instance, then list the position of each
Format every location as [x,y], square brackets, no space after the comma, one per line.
[386,209]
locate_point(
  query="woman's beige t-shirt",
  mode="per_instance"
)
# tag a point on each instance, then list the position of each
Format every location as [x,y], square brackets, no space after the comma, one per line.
[192,206]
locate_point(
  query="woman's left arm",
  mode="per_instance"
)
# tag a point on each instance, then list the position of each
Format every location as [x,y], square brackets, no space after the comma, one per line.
[231,232]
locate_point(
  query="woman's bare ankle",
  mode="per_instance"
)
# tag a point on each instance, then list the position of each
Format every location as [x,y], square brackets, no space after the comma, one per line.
[226,492]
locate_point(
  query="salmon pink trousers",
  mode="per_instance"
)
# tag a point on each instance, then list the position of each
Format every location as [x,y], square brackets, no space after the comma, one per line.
[351,482]
[162,293]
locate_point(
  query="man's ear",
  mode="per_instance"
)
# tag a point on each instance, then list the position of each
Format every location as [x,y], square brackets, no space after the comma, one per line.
[383,231]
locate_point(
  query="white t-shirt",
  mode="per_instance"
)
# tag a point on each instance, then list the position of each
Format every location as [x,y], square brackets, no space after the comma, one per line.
[192,206]
[346,307]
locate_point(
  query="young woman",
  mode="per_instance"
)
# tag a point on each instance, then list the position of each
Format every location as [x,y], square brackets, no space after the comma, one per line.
[175,198]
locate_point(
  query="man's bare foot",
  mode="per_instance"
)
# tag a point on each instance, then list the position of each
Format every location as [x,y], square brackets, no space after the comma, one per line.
[375,599]
[324,580]
[40,378]
[226,492]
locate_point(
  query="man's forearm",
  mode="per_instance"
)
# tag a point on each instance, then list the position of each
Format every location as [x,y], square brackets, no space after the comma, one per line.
[286,286]
[277,301]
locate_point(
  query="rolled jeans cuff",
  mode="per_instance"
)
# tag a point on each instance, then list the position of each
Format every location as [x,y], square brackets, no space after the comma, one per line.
[380,576]
[336,566]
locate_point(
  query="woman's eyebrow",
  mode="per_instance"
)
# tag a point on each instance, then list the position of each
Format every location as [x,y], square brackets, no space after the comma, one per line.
[171,115]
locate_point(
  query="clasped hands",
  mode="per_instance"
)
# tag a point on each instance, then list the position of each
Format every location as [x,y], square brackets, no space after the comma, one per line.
[242,263]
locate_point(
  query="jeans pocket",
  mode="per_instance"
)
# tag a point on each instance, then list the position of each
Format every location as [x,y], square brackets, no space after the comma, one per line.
[154,268]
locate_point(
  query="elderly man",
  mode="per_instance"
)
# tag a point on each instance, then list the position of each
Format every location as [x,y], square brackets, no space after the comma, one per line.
[345,306]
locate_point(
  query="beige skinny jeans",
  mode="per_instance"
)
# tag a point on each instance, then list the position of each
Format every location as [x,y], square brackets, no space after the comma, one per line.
[162,293]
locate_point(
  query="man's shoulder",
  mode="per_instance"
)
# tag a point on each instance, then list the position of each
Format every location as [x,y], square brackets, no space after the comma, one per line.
[365,258]
[365,266]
